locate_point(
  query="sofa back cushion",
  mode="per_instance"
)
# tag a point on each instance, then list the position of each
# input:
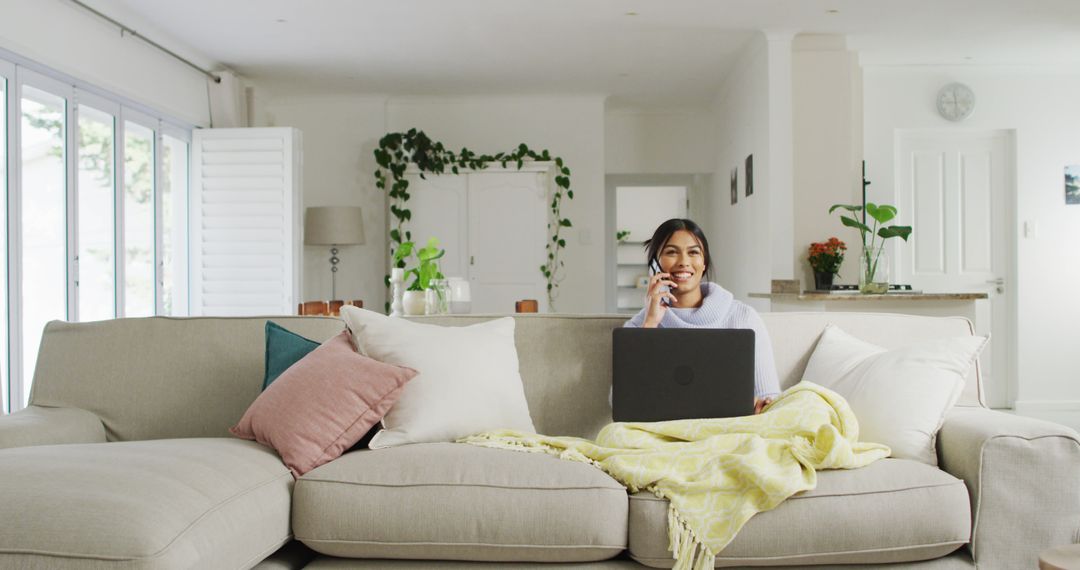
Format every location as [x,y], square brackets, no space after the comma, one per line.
[161,377]
[794,336]
[165,377]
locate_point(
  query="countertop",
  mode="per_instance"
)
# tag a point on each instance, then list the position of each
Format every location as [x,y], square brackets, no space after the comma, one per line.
[856,296]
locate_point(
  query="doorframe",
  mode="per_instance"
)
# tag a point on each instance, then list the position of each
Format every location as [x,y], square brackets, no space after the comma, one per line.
[1012,237]
[695,184]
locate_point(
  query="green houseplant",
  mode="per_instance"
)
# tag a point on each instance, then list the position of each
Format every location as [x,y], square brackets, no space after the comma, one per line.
[871,262]
[423,274]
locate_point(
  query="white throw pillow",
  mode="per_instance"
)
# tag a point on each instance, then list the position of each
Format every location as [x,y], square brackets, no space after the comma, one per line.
[467,382]
[899,396]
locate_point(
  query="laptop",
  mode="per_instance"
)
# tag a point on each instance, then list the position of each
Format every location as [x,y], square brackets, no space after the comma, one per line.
[674,374]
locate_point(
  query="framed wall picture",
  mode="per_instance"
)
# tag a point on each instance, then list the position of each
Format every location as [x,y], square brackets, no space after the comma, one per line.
[1072,184]
[734,185]
[749,175]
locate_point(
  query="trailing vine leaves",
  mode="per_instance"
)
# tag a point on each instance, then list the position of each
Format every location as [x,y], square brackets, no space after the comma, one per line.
[397,150]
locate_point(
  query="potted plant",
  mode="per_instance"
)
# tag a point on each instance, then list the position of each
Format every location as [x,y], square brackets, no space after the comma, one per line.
[873,266]
[424,274]
[825,259]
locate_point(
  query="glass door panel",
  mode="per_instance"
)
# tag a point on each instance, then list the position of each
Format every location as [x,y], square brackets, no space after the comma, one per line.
[5,370]
[139,293]
[44,229]
[173,190]
[97,181]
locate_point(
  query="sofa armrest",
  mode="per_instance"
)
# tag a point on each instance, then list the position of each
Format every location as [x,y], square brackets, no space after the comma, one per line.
[1023,476]
[38,425]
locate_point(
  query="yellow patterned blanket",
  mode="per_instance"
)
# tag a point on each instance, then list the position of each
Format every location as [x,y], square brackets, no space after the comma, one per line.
[717,473]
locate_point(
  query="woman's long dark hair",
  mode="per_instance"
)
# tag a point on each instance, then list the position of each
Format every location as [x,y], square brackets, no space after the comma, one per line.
[663,233]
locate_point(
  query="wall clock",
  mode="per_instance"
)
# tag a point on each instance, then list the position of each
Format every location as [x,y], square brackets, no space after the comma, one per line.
[955,101]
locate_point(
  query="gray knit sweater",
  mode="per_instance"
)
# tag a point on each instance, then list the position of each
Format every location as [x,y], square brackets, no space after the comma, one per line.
[720,310]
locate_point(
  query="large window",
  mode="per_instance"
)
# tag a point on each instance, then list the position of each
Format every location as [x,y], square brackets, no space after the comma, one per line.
[139,276]
[97,206]
[5,371]
[43,219]
[95,217]
[174,259]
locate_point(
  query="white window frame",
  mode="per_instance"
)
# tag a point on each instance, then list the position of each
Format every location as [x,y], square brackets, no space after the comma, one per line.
[17,72]
[25,77]
[149,122]
[181,287]
[113,108]
[7,75]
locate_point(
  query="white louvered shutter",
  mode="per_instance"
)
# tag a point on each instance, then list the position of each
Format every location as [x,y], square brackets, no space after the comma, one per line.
[246,221]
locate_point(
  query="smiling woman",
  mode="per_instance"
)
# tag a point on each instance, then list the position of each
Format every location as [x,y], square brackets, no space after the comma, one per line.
[680,296]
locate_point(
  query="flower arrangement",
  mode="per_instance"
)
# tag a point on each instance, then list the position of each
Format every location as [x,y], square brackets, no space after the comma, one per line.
[826,257]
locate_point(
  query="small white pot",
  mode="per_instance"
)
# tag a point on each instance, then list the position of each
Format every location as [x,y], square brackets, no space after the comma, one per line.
[413,302]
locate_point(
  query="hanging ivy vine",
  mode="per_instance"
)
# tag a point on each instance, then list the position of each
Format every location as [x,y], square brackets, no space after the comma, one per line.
[397,150]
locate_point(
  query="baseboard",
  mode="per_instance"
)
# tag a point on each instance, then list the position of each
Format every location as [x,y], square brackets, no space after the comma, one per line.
[1061,411]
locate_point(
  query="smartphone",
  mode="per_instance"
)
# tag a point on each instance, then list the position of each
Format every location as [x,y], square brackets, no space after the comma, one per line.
[654,265]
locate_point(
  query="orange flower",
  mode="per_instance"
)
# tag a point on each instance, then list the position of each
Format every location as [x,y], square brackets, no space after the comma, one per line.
[826,257]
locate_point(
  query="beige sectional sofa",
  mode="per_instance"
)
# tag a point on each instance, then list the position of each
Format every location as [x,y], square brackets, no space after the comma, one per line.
[123,460]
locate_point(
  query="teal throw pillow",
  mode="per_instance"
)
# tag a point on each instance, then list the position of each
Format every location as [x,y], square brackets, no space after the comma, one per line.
[283,349]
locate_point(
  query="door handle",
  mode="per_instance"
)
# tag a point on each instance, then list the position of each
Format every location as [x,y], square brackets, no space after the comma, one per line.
[998,281]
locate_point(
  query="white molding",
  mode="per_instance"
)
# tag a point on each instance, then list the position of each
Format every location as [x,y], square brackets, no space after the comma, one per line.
[527,166]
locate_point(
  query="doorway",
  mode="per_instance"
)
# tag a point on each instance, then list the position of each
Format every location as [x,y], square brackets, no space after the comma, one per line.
[957,189]
[636,205]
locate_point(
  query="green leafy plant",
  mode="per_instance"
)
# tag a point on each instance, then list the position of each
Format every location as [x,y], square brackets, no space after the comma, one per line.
[622,235]
[427,267]
[872,247]
[397,150]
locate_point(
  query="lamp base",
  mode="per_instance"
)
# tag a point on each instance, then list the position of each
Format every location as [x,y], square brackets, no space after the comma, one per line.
[334,260]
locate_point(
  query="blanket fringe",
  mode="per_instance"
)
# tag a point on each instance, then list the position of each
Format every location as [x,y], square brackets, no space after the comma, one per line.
[687,550]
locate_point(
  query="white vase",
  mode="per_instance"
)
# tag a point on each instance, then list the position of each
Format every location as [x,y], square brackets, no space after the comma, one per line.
[414,303]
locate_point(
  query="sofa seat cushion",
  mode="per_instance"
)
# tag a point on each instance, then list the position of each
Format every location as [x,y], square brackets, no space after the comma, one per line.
[460,502]
[182,503]
[893,510]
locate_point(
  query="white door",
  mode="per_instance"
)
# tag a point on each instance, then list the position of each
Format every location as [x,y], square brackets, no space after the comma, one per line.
[438,206]
[507,231]
[954,189]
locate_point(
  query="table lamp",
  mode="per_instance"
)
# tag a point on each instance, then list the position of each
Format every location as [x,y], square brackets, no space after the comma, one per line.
[333,226]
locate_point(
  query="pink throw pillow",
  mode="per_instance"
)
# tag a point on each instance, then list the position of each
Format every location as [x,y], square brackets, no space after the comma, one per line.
[323,404]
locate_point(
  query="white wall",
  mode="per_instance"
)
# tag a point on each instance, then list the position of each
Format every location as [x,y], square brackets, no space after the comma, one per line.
[341,133]
[751,241]
[659,141]
[64,37]
[1041,105]
[827,134]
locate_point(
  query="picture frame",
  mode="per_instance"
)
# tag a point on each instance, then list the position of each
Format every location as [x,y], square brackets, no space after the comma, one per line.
[1072,184]
[749,175]
[734,185]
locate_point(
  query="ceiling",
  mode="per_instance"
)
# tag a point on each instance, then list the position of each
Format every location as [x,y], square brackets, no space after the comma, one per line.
[639,52]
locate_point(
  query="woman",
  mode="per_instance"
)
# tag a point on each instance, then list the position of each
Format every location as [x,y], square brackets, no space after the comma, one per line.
[678,298]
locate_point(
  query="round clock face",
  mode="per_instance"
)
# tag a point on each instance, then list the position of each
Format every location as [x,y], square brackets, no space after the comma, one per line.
[955,101]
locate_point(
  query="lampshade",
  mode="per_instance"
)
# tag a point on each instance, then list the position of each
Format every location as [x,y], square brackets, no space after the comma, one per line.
[333,225]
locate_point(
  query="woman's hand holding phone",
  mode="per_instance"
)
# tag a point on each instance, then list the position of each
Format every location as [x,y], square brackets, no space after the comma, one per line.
[659,296]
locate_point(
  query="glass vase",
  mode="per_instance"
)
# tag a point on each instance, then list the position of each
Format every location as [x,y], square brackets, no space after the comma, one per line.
[437,298]
[874,272]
